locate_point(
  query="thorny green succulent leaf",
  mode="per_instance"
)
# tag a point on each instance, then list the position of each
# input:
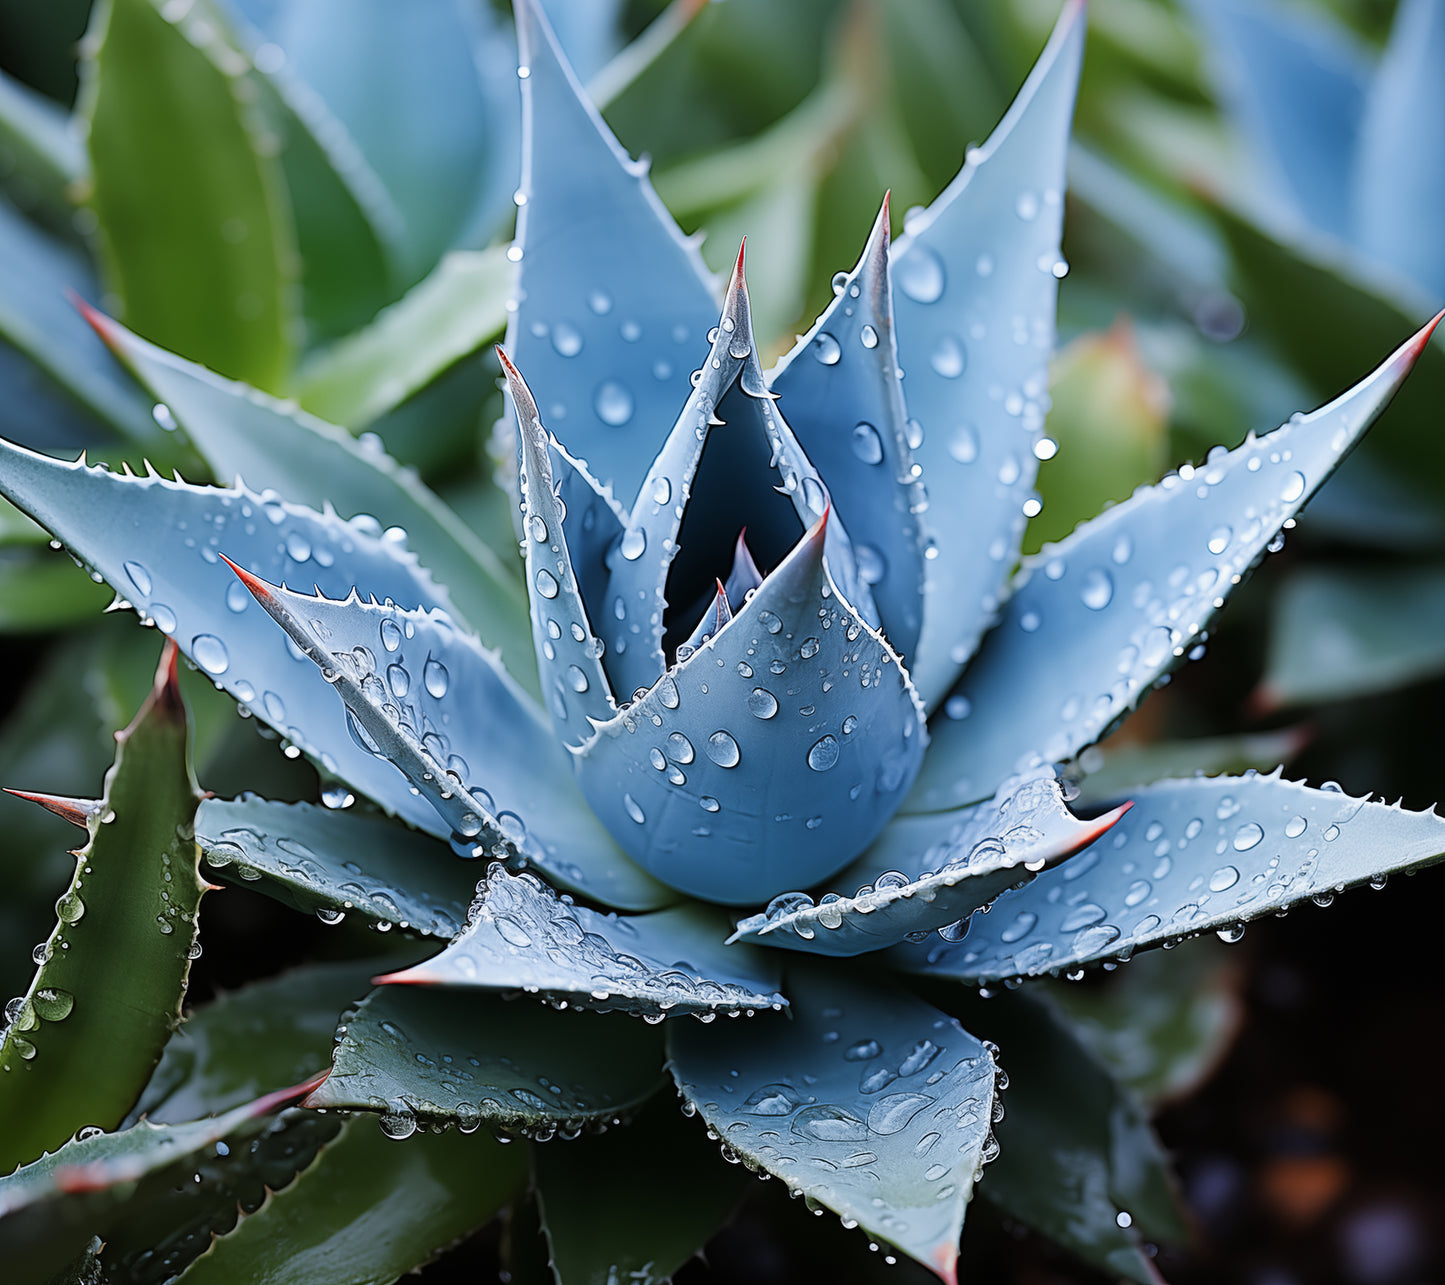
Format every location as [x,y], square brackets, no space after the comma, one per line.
[447,316]
[1132,590]
[842,393]
[975,289]
[156,543]
[868,1101]
[931,872]
[1163,1025]
[367,1211]
[336,864]
[80,1045]
[35,317]
[1067,1118]
[612,1213]
[604,267]
[231,1049]
[243,433]
[416,1055]
[49,1209]
[207,193]
[496,777]
[1399,170]
[523,937]
[1192,856]
[1338,634]
[769,756]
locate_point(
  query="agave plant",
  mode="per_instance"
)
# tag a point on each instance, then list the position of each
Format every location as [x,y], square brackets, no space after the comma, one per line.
[779,644]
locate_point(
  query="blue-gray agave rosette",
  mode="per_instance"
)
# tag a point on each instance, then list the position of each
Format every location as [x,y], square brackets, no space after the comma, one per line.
[780,641]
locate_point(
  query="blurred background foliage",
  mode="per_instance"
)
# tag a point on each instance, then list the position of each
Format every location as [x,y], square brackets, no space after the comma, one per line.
[315,196]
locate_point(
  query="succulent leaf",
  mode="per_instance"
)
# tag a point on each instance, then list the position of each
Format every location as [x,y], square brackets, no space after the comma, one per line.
[842,393]
[588,223]
[974,311]
[50,1209]
[245,433]
[367,1211]
[1239,847]
[523,937]
[1068,1117]
[496,777]
[80,1045]
[1132,590]
[769,756]
[212,193]
[1399,170]
[335,864]
[612,1213]
[421,1055]
[927,873]
[868,1101]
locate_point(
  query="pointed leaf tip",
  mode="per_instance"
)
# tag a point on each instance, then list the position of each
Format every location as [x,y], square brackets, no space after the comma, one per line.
[260,590]
[1415,345]
[76,811]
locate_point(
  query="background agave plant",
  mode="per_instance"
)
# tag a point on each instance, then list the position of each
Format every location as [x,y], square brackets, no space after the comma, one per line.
[838,1100]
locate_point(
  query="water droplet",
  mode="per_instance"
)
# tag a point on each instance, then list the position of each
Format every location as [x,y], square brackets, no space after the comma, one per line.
[634,543]
[613,403]
[762,703]
[809,648]
[163,616]
[238,597]
[566,339]
[829,1124]
[963,444]
[868,337]
[546,583]
[298,547]
[920,274]
[399,680]
[140,577]
[948,357]
[398,1124]
[1082,917]
[772,1100]
[826,350]
[918,1057]
[1219,539]
[51,1004]
[1294,487]
[723,750]
[770,621]
[209,652]
[390,634]
[661,490]
[867,445]
[679,748]
[1096,589]
[708,804]
[634,809]
[1246,837]
[1226,876]
[1027,207]
[667,692]
[1295,827]
[1020,928]
[824,754]
[435,678]
[893,1113]
[862,1051]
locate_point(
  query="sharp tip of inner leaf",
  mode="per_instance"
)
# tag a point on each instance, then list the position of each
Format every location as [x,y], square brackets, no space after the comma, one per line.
[259,589]
[417,976]
[1415,345]
[76,811]
[103,326]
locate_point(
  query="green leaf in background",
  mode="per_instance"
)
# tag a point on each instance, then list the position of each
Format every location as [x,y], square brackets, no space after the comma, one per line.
[1163,1024]
[445,317]
[1339,633]
[38,591]
[43,156]
[1109,425]
[367,1211]
[82,1042]
[194,230]
[1113,770]
[633,1206]
[443,1056]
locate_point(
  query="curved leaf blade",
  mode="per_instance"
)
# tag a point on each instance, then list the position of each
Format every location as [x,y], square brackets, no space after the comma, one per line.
[337,863]
[156,543]
[612,300]
[974,312]
[523,937]
[928,873]
[83,1041]
[1132,590]
[1238,848]
[868,1101]
[243,433]
[779,749]
[416,1055]
[180,176]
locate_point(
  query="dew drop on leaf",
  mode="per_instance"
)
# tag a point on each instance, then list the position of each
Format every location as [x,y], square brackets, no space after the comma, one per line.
[824,754]
[723,750]
[826,350]
[613,403]
[920,274]
[209,652]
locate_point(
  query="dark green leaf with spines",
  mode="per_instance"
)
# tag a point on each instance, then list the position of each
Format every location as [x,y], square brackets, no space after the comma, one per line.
[1131,590]
[1238,848]
[82,1042]
[633,1204]
[243,433]
[929,872]
[179,177]
[523,937]
[337,862]
[417,1055]
[867,1101]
